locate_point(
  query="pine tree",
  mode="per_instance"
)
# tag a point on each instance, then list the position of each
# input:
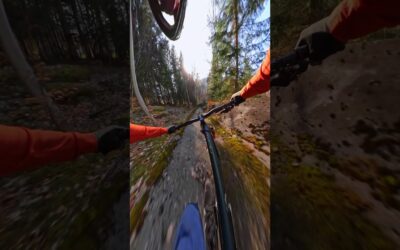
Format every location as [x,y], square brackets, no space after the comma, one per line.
[238,43]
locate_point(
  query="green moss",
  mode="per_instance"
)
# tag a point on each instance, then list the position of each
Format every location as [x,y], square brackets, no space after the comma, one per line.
[239,133]
[155,158]
[158,109]
[391,181]
[138,171]
[253,173]
[363,169]
[385,185]
[70,73]
[257,142]
[310,204]
[162,162]
[152,162]
[310,212]
[136,214]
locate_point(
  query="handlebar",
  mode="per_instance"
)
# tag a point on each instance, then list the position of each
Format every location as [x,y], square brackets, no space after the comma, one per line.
[223,108]
[287,68]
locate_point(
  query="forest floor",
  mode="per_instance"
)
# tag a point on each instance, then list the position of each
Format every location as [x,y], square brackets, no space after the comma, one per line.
[74,204]
[184,175]
[336,175]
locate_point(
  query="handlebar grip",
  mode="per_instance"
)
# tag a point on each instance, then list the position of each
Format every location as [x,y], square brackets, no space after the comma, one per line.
[237,100]
[298,56]
[286,69]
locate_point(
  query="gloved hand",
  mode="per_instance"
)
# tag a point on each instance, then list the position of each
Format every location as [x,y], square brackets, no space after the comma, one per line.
[237,98]
[111,138]
[172,129]
[319,41]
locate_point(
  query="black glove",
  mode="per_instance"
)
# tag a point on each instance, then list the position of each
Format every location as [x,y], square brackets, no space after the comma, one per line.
[111,138]
[237,98]
[319,41]
[321,45]
[172,129]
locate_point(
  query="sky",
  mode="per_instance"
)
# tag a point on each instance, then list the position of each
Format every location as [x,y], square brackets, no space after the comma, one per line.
[193,42]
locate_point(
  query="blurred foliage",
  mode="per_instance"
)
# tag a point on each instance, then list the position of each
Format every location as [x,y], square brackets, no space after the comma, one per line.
[70,31]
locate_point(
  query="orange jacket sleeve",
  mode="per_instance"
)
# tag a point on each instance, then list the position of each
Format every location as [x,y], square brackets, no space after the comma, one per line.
[140,133]
[356,18]
[259,83]
[22,148]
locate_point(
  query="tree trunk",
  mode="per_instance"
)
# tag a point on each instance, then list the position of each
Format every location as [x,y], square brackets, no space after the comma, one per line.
[187,94]
[105,51]
[85,20]
[82,36]
[12,49]
[236,27]
[68,37]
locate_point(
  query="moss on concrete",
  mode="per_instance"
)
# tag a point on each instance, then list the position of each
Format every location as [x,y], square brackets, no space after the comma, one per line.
[309,211]
[384,182]
[253,173]
[136,214]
